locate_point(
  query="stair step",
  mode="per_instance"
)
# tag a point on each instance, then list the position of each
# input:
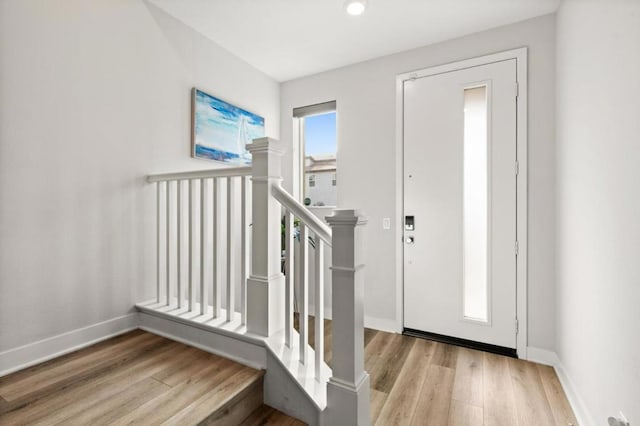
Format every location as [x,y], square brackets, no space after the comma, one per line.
[237,402]
[134,378]
[228,403]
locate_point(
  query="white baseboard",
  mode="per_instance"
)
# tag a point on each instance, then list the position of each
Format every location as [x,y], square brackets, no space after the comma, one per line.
[583,416]
[390,326]
[382,324]
[542,356]
[43,350]
[328,315]
[547,357]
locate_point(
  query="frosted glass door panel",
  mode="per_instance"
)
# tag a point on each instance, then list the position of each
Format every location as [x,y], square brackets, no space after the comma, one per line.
[475,204]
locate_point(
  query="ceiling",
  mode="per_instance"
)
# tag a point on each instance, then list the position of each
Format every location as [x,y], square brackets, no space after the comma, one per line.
[287,39]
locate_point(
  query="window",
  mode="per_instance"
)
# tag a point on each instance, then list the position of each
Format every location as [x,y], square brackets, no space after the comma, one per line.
[315,127]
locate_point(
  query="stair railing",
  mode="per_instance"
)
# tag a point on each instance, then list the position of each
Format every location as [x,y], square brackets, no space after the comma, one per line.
[270,294]
[190,230]
[308,224]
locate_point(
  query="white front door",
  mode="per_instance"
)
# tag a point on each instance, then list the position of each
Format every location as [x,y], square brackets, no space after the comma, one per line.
[460,204]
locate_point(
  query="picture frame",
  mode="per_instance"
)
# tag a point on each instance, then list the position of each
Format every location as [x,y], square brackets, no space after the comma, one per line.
[220,130]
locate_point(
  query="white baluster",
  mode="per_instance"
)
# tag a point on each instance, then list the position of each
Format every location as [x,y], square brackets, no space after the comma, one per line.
[231,261]
[289,277]
[191,211]
[244,253]
[217,262]
[179,248]
[168,247]
[319,299]
[249,230]
[158,242]
[204,255]
[303,304]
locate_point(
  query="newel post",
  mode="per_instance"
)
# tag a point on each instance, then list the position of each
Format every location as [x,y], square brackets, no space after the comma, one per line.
[348,388]
[265,286]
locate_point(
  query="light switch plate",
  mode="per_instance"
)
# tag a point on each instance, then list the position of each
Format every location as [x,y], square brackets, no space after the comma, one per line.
[386,223]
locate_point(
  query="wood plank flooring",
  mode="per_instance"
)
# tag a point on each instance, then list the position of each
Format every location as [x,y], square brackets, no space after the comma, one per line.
[137,377]
[421,382]
[439,384]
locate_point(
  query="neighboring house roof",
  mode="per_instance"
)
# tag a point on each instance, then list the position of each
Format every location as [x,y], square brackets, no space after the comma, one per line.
[320,163]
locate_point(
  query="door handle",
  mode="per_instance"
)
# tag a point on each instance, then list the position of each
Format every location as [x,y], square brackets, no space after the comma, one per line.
[409,240]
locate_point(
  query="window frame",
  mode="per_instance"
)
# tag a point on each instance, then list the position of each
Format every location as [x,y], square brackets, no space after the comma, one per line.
[299,114]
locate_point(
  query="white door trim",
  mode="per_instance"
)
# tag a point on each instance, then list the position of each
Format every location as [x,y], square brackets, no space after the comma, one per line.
[520,55]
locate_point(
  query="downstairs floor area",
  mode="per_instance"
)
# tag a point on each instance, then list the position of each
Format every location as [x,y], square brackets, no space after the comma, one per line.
[421,382]
[139,377]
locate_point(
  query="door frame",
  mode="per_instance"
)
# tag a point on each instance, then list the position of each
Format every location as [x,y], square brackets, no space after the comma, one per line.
[520,55]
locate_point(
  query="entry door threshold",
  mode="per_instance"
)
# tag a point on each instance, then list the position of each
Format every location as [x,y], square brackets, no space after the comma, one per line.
[485,347]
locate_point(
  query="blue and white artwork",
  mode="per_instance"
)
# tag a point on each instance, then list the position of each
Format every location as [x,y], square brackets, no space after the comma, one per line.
[221,130]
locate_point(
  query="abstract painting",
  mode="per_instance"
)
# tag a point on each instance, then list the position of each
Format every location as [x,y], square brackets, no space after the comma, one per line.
[221,131]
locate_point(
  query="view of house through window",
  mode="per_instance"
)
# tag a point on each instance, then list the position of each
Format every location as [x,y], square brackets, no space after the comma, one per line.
[319,145]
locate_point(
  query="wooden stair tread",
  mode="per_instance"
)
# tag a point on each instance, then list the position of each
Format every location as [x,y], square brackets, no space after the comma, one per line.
[137,377]
[227,403]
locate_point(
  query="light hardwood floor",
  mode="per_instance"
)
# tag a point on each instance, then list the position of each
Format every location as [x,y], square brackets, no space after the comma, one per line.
[421,382]
[140,378]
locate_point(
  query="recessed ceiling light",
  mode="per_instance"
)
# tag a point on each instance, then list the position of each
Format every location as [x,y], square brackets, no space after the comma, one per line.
[355,7]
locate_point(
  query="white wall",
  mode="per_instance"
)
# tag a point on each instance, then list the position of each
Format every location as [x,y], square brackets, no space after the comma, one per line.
[94,96]
[598,275]
[366,96]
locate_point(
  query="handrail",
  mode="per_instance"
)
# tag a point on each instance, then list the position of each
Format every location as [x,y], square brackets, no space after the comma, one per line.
[301,212]
[201,174]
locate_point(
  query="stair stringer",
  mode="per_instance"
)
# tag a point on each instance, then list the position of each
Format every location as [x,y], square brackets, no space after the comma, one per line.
[242,349]
[290,386]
